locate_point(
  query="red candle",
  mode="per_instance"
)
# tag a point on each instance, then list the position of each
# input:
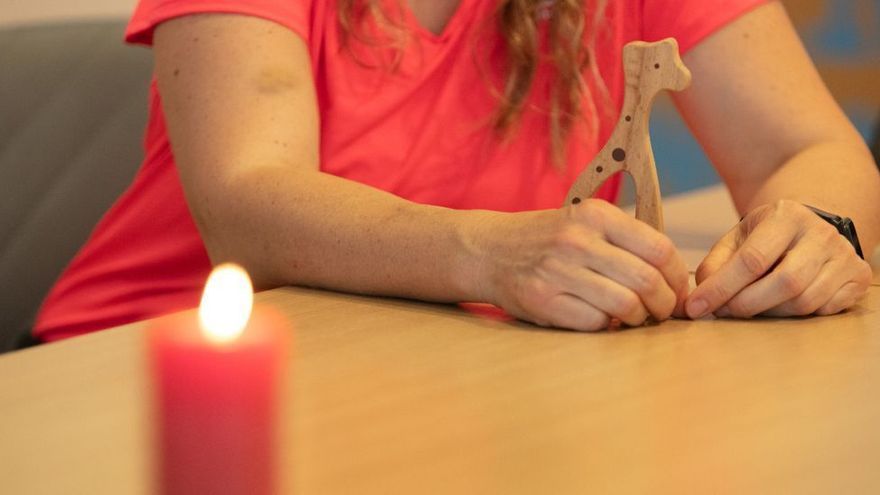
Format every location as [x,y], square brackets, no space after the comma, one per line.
[217,379]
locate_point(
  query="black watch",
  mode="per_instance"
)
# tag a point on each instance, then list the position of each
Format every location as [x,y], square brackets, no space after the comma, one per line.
[844,225]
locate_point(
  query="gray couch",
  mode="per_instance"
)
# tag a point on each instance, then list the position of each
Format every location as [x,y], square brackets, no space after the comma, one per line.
[72,112]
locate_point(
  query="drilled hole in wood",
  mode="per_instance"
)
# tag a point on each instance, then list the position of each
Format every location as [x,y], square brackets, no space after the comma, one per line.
[618,154]
[575,201]
[599,169]
[629,118]
[656,66]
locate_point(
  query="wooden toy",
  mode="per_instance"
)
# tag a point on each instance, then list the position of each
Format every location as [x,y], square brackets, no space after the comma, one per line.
[648,69]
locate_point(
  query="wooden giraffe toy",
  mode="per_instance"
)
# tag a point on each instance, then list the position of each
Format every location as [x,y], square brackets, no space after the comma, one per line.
[648,69]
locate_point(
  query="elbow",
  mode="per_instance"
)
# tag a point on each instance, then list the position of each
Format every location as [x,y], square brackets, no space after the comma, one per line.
[233,230]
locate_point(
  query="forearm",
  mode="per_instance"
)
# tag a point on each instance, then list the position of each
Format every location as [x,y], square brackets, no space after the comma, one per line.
[839,177]
[771,127]
[308,228]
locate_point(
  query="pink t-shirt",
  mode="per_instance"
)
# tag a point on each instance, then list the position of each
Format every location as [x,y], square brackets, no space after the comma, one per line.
[420,133]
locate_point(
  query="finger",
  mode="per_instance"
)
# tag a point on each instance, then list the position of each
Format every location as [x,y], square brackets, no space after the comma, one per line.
[855,288]
[571,312]
[767,242]
[611,298]
[637,276]
[843,299]
[833,277]
[723,312]
[720,253]
[681,296]
[679,311]
[639,239]
[599,291]
[791,277]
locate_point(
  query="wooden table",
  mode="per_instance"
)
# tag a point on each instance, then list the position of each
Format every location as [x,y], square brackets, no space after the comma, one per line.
[389,396]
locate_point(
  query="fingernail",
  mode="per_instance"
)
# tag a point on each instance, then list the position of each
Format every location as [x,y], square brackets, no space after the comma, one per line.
[697,308]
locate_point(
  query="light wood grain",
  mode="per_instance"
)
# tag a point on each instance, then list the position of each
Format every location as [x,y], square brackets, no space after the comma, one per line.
[648,69]
[391,396]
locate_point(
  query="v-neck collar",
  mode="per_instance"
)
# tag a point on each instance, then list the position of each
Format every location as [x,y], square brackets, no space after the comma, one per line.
[452,24]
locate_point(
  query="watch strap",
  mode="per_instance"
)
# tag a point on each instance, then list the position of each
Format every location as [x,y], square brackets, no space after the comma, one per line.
[844,226]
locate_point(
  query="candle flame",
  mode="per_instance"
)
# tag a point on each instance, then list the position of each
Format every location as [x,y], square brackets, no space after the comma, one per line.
[226,303]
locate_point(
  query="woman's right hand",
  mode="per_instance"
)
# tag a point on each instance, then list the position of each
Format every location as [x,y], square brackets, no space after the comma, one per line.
[580,267]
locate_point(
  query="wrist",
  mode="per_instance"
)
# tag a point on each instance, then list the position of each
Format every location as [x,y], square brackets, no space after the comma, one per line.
[476,239]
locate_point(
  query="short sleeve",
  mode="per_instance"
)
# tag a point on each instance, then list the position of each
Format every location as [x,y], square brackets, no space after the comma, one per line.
[690,21]
[293,14]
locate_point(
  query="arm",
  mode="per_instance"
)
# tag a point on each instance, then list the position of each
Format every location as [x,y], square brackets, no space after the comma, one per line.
[243,122]
[779,140]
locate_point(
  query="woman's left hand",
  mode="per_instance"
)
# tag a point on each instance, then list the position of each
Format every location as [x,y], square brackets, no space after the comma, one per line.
[780,260]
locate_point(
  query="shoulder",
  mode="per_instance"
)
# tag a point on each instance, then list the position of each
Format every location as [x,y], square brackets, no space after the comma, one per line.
[300,16]
[690,21]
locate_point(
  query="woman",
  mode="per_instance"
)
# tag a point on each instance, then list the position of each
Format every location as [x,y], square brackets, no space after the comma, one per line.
[421,148]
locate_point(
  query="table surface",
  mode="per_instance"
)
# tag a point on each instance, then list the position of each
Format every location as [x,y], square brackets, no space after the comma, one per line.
[392,396]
